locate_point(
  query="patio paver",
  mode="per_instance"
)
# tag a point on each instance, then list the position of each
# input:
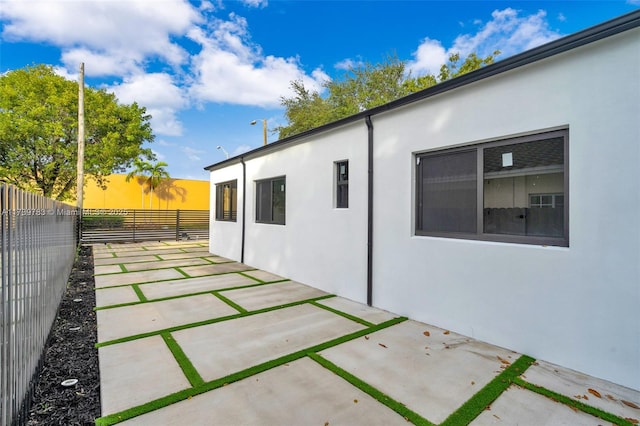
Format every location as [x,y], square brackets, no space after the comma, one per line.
[132,320]
[222,268]
[138,371]
[272,295]
[136,277]
[194,285]
[114,296]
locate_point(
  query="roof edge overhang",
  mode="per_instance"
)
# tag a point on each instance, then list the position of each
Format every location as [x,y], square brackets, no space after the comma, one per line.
[598,32]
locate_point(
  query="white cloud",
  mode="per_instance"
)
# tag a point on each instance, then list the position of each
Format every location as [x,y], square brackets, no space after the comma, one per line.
[348,64]
[192,153]
[506,31]
[128,31]
[256,3]
[230,69]
[159,94]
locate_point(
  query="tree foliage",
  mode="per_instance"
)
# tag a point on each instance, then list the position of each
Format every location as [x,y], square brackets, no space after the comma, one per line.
[365,87]
[39,132]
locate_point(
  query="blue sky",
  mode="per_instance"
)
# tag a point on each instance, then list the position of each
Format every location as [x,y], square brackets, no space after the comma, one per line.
[205,69]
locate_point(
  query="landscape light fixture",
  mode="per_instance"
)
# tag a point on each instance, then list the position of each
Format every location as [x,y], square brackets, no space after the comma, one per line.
[264,128]
[223,150]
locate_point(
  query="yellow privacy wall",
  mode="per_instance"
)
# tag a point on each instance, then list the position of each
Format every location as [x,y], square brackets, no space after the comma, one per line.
[171,194]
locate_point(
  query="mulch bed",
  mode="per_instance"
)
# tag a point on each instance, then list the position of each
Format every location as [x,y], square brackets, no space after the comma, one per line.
[71,354]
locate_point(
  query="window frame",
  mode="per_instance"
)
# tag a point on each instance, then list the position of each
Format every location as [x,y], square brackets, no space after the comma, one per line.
[220,212]
[479,150]
[270,220]
[341,184]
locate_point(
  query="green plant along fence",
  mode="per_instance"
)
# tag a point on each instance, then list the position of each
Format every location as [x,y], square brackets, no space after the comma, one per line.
[37,250]
[130,225]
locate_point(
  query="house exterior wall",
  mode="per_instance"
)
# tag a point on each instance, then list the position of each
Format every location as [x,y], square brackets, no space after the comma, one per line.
[575,306]
[226,237]
[319,245]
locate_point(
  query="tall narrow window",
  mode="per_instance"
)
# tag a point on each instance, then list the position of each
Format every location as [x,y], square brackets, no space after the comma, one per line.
[271,200]
[512,190]
[342,184]
[226,201]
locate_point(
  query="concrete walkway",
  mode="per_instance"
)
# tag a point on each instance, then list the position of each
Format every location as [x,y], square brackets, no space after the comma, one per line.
[190,338]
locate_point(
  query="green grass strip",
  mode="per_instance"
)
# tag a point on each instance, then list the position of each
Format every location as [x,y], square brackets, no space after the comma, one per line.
[122,267]
[344,314]
[230,303]
[183,361]
[485,397]
[243,374]
[182,272]
[139,293]
[209,321]
[409,415]
[608,417]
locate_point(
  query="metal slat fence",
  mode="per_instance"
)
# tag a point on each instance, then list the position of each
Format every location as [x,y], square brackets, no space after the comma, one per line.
[38,246]
[132,225]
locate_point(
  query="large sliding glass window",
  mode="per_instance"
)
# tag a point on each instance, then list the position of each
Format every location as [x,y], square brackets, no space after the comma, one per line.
[512,190]
[271,200]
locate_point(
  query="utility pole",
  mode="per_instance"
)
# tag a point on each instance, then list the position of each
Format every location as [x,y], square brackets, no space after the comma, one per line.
[80,168]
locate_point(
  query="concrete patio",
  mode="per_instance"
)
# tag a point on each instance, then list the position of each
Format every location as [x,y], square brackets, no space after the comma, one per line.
[190,338]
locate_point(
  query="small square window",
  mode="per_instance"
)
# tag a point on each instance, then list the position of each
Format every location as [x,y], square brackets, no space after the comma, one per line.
[342,184]
[227,201]
[271,200]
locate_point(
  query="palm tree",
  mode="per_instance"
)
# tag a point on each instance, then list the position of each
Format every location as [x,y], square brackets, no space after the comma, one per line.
[157,174]
[140,171]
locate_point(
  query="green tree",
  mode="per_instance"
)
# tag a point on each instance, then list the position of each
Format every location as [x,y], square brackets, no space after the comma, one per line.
[140,170]
[364,87]
[38,132]
[157,174]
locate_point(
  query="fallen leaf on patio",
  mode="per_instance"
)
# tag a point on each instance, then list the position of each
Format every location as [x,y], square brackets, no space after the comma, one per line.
[473,383]
[488,408]
[326,423]
[446,346]
[630,404]
[446,332]
[632,420]
[611,397]
[504,361]
[366,337]
[189,397]
[577,396]
[496,417]
[594,393]
[426,333]
[574,409]
[427,347]
[355,401]
[384,346]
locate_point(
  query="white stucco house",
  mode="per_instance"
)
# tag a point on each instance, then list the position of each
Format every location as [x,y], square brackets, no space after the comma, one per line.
[502,204]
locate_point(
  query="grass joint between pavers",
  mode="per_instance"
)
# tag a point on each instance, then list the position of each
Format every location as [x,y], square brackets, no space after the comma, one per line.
[229,302]
[474,406]
[183,360]
[343,314]
[139,293]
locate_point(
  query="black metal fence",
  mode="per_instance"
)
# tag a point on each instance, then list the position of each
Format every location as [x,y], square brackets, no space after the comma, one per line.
[37,250]
[131,225]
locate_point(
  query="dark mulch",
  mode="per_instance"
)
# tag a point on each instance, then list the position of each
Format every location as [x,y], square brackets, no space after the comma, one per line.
[71,354]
